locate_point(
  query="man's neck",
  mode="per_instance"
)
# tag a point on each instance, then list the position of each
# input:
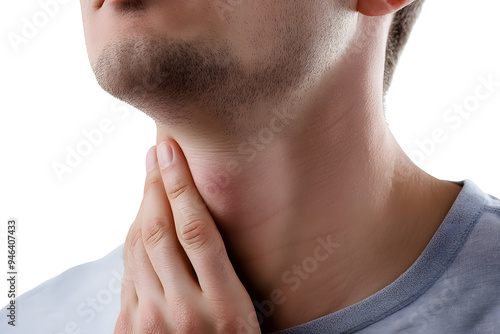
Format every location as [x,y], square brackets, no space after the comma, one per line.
[315,214]
[316,202]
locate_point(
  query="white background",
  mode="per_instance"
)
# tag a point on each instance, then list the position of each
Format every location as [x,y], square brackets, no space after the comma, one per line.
[48,97]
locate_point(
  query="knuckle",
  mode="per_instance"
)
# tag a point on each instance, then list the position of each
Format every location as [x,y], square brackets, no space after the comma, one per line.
[186,321]
[132,237]
[123,324]
[231,326]
[128,284]
[230,321]
[194,233]
[151,321]
[154,231]
[176,188]
[151,183]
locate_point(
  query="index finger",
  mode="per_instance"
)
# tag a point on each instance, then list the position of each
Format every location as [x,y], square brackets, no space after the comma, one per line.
[196,229]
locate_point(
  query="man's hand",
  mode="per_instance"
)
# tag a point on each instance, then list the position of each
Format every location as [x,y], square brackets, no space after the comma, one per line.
[178,277]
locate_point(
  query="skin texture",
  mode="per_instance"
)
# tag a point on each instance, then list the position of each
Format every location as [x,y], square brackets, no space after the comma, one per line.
[178,277]
[276,106]
[211,65]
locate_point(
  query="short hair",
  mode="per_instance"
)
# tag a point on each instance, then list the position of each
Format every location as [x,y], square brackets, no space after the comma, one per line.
[399,32]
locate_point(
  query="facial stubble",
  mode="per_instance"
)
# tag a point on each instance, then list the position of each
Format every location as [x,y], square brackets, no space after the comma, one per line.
[178,81]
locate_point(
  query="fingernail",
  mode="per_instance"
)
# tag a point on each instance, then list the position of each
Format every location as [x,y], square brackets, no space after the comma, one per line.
[151,159]
[165,155]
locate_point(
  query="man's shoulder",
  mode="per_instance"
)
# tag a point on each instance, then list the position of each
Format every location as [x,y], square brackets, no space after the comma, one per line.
[465,252]
[476,215]
[481,253]
[479,256]
[82,299]
[484,239]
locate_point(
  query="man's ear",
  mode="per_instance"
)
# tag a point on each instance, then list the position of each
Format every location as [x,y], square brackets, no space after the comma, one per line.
[379,7]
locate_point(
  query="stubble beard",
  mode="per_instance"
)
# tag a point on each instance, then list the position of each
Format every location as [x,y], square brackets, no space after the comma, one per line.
[194,82]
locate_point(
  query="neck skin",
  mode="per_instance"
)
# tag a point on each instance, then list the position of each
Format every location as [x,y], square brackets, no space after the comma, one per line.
[328,210]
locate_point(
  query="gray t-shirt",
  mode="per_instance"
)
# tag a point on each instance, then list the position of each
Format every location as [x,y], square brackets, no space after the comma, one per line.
[453,287]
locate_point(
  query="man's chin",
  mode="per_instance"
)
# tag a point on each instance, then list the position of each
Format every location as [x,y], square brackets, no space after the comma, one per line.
[173,80]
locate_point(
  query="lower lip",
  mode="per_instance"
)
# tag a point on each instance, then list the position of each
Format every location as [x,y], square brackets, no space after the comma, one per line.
[116,1]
